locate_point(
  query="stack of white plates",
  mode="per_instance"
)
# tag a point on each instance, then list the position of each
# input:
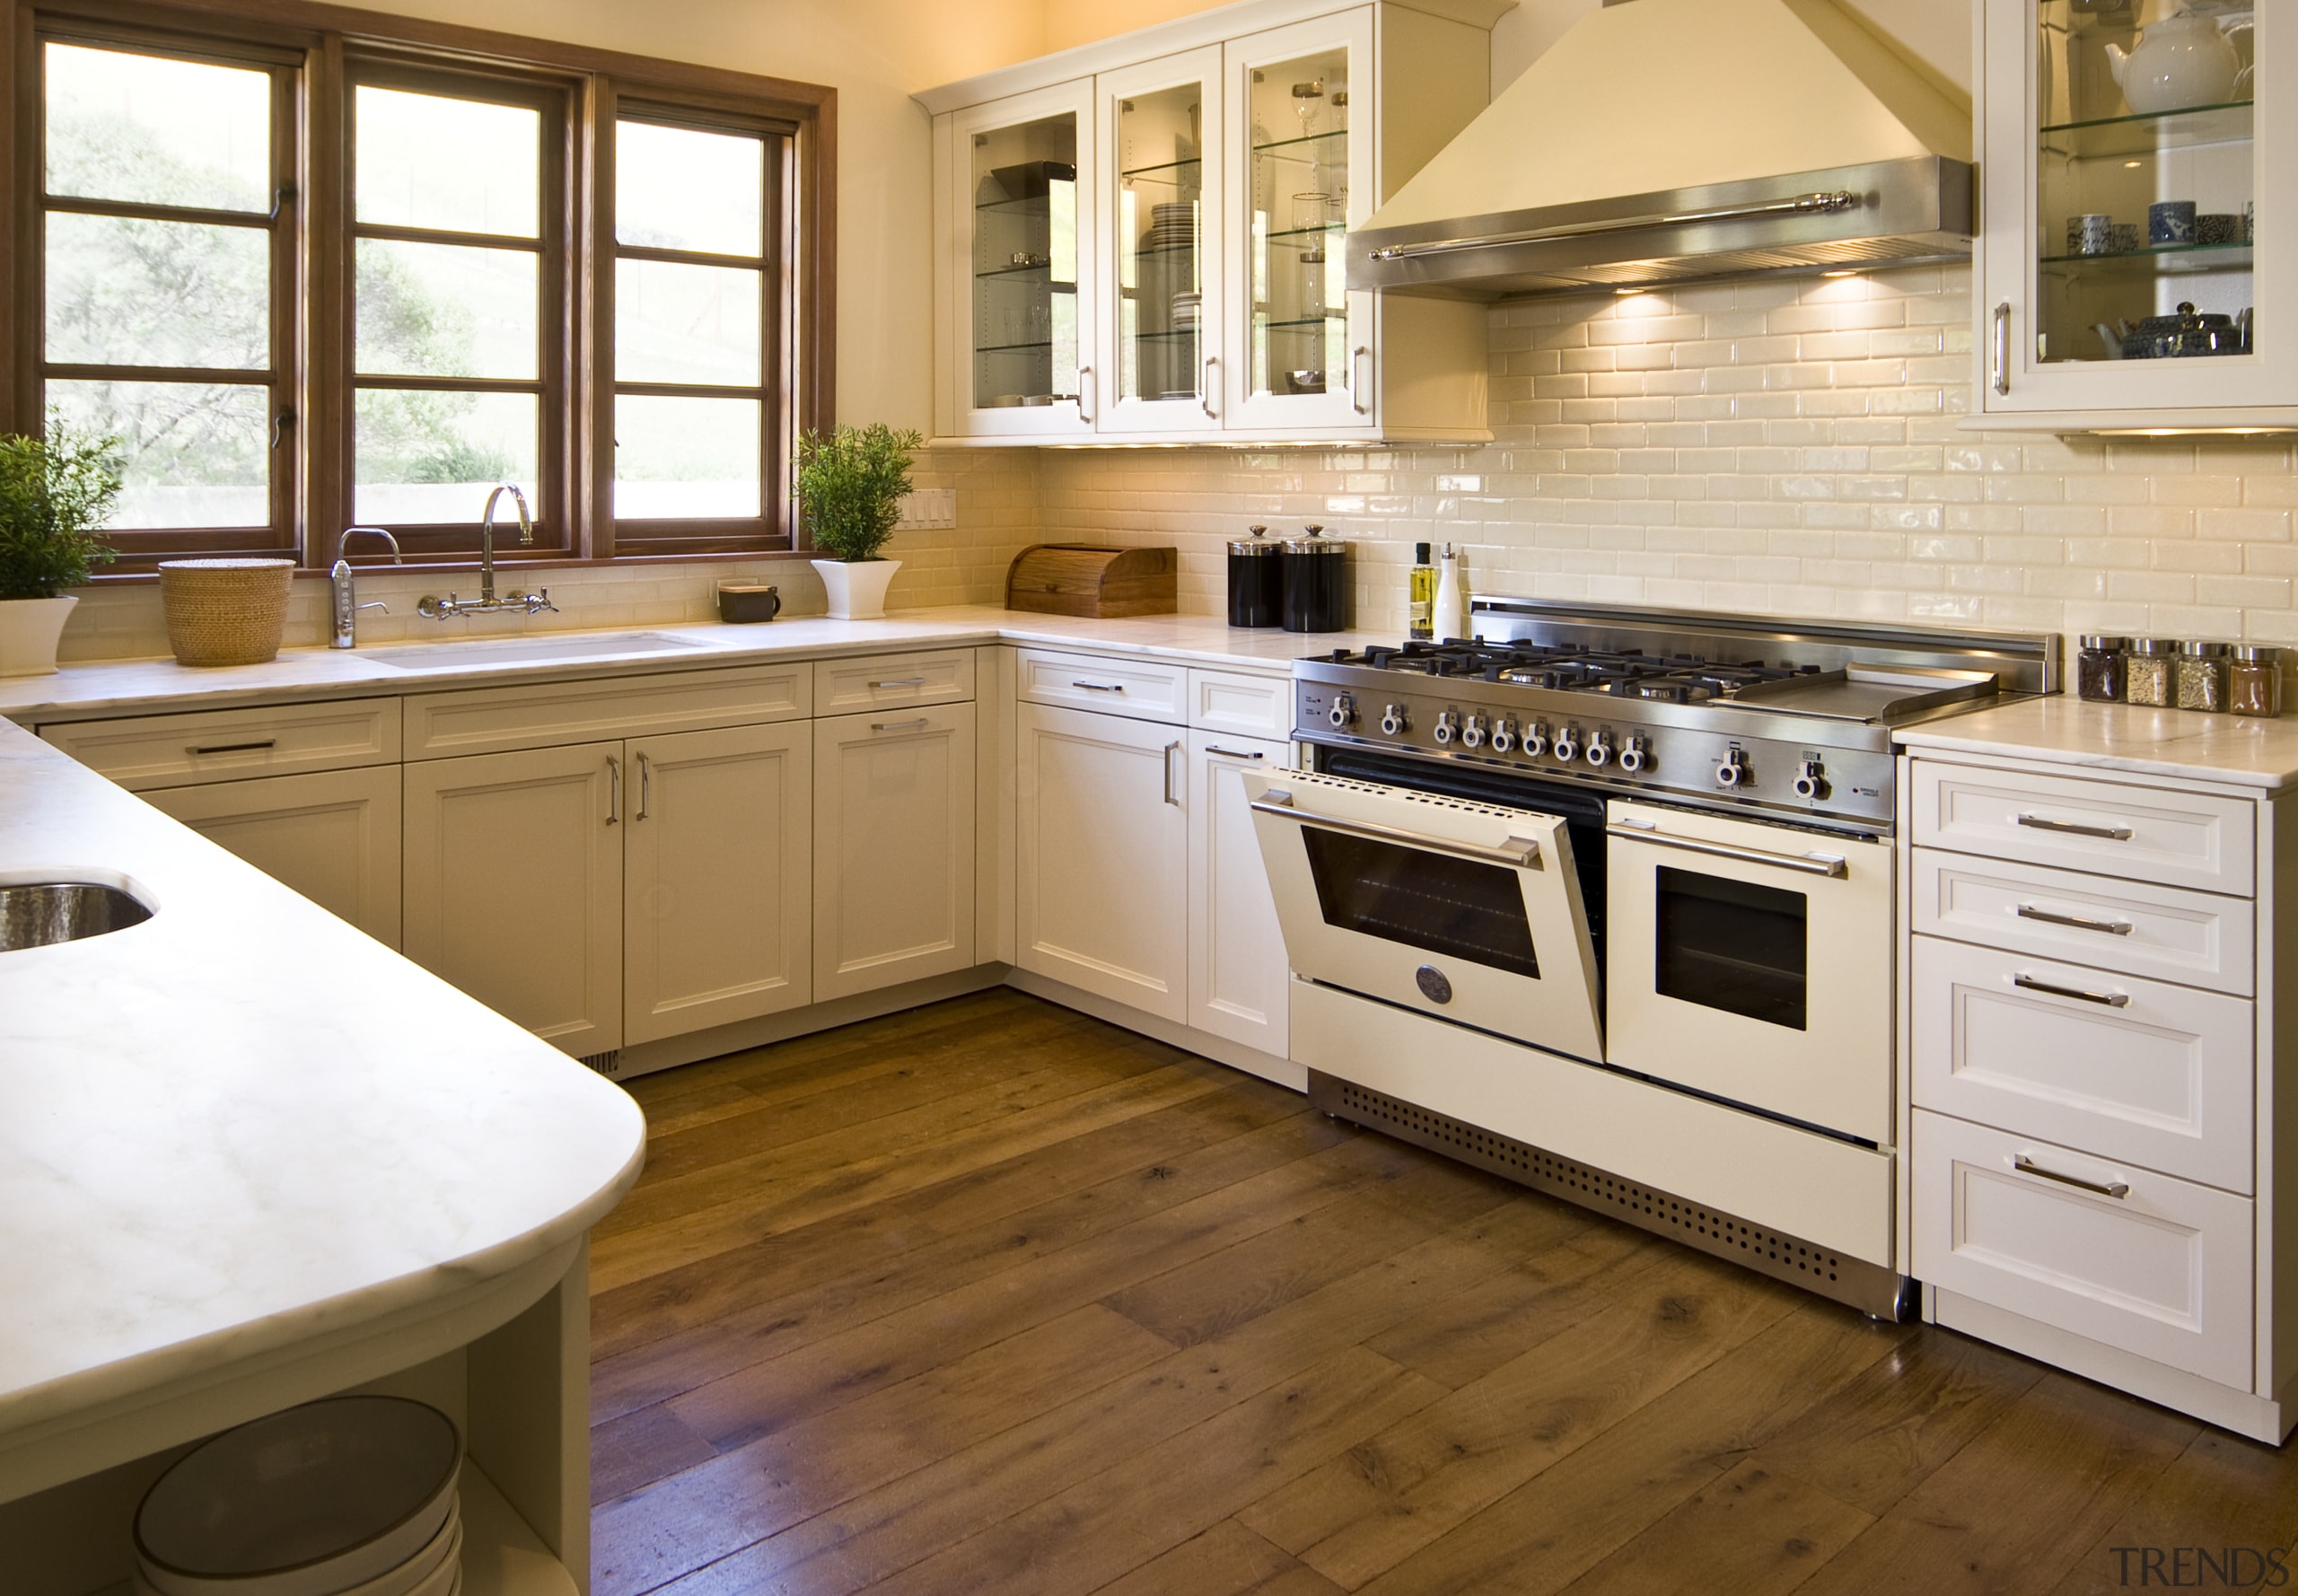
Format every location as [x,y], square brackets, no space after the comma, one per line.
[1171,226]
[350,1496]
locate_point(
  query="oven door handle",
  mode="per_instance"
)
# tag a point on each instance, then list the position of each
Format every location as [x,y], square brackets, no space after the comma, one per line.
[1518,853]
[1809,863]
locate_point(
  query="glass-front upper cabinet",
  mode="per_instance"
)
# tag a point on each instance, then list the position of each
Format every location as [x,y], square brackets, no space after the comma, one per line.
[1161,226]
[1300,346]
[1020,181]
[2136,248]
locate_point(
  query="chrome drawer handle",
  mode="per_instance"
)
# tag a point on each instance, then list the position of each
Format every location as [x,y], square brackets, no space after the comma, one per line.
[1518,853]
[1100,687]
[1229,753]
[1827,864]
[917,724]
[907,681]
[2113,999]
[233,747]
[2028,911]
[614,791]
[645,785]
[2116,1189]
[2111,833]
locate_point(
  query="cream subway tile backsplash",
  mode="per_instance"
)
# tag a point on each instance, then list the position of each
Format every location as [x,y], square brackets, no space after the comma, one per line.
[961,564]
[1787,446]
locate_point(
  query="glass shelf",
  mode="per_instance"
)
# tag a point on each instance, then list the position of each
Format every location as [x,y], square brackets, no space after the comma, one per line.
[1029,205]
[1139,171]
[1042,274]
[1175,336]
[2162,260]
[1011,349]
[1326,235]
[1312,138]
[2151,133]
[1324,320]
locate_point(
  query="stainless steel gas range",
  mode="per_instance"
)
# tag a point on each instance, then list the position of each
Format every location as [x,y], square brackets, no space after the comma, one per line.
[1605,900]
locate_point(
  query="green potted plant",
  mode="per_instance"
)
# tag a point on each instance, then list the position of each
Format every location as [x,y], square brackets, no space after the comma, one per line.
[56,493]
[850,483]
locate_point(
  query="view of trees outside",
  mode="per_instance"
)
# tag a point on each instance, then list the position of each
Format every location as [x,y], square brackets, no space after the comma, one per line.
[137,292]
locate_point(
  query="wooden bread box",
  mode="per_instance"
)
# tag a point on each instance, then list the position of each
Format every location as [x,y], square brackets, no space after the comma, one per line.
[1079,579]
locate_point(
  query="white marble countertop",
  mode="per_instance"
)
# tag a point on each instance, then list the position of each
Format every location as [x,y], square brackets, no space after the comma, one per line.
[242,1125]
[2240,750]
[133,686]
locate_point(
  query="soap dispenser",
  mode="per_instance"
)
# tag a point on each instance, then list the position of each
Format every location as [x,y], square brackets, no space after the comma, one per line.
[1451,617]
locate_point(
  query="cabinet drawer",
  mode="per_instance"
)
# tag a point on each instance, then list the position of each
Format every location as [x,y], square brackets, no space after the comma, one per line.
[1241,704]
[497,720]
[2197,938]
[882,681]
[1143,690]
[176,750]
[2140,1070]
[2148,834]
[2163,1270]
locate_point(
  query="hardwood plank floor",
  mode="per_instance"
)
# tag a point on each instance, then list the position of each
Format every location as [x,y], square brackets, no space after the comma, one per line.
[992,1297]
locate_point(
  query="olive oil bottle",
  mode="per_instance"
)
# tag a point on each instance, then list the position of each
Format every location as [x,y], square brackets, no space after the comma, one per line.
[1423,592]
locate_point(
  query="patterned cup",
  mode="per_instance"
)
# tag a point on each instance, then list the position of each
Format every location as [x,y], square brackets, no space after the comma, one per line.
[2092,233]
[2218,227]
[2127,240]
[2172,222]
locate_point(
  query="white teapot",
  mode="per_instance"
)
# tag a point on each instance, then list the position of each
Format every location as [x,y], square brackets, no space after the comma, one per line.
[2181,61]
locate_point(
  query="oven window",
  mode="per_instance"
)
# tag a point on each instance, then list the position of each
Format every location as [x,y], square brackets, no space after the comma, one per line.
[1424,900]
[1732,945]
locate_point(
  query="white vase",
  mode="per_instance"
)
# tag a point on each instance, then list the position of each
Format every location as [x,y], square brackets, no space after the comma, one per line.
[28,629]
[857,588]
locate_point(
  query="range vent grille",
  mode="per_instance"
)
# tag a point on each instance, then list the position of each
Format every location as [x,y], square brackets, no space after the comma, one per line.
[1865,1286]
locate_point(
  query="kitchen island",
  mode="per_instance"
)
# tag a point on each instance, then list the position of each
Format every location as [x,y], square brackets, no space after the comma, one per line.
[251,1157]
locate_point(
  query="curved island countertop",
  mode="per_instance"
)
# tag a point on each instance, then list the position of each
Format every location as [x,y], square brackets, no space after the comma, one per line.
[243,1145]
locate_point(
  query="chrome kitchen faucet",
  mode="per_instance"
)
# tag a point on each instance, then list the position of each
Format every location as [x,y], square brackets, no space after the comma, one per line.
[346,597]
[437,608]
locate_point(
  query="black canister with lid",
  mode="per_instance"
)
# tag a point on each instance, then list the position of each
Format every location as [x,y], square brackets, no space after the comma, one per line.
[2098,669]
[1256,580]
[1316,581]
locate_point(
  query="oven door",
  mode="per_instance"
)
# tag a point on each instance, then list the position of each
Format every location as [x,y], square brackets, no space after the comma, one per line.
[1464,910]
[1752,962]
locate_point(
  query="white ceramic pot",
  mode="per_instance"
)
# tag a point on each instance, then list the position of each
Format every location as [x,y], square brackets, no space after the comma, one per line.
[857,589]
[29,630]
[2180,61]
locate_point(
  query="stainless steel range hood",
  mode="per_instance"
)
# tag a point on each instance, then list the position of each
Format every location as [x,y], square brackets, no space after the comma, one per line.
[1667,141]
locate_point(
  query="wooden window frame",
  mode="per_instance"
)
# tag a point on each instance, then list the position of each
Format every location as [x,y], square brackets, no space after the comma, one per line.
[313,255]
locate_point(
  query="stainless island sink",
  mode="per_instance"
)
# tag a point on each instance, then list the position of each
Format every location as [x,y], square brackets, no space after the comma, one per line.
[39,914]
[431,656]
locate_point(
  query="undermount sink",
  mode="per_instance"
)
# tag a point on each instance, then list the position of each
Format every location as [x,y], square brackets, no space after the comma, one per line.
[527,651]
[41,914]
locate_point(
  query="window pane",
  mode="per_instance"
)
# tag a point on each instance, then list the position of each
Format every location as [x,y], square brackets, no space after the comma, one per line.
[447,311]
[686,323]
[160,132]
[127,292]
[684,459]
[429,458]
[193,454]
[678,189]
[459,165]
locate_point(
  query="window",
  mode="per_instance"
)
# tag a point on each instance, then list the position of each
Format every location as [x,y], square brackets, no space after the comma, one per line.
[163,185]
[312,280]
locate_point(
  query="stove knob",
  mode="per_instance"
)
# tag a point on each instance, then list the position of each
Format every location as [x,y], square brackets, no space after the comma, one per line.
[1446,725]
[1813,782]
[1599,749]
[1503,735]
[1567,744]
[1342,711]
[1472,734]
[1393,720]
[1634,757]
[1732,772]
[1535,740]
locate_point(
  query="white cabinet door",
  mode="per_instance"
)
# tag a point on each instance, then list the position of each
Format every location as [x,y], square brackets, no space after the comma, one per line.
[1013,208]
[1102,846]
[893,847]
[717,877]
[333,835]
[1238,975]
[1163,234]
[513,885]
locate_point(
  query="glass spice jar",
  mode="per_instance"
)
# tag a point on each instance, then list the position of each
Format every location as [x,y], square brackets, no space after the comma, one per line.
[2200,680]
[2098,669]
[2254,681]
[2147,672]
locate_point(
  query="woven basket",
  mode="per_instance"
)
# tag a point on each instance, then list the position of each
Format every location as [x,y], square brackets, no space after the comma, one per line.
[225,612]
